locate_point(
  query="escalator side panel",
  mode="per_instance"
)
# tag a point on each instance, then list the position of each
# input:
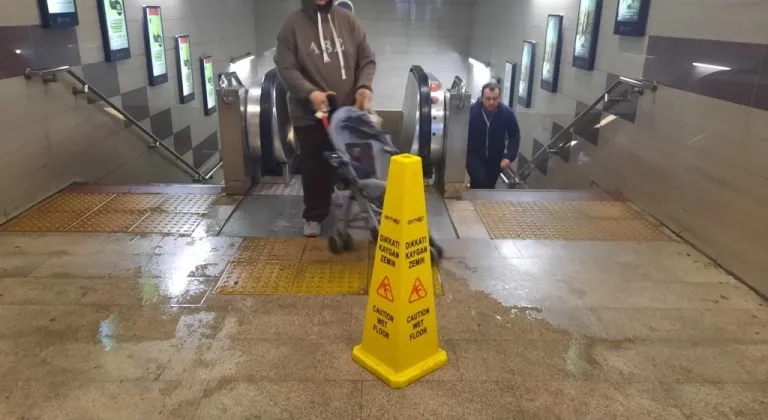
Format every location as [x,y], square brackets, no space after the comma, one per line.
[424,130]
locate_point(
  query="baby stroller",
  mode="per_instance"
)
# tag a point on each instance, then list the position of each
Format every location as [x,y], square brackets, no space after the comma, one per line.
[361,160]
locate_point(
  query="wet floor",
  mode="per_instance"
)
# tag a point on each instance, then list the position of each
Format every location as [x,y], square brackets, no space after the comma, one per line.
[127,327]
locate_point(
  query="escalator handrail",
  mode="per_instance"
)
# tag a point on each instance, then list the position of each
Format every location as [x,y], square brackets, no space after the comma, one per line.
[425,114]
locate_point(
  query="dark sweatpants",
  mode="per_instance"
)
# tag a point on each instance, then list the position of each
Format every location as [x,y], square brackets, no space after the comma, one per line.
[317,175]
[483,174]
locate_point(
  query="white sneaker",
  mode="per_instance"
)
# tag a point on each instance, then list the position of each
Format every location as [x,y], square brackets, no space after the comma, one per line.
[312,229]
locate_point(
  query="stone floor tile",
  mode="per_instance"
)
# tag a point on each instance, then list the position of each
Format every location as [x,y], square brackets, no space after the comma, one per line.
[722,401]
[332,400]
[441,400]
[148,291]
[42,291]
[91,266]
[595,400]
[20,265]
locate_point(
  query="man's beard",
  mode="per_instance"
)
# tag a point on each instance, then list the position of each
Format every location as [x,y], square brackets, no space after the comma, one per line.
[325,7]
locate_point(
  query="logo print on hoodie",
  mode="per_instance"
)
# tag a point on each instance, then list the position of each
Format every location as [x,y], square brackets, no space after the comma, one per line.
[328,46]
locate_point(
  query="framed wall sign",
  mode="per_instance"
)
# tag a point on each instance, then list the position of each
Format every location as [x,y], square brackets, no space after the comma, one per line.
[631,17]
[587,29]
[525,88]
[553,46]
[114,30]
[154,46]
[58,13]
[510,72]
[184,69]
[346,4]
[209,88]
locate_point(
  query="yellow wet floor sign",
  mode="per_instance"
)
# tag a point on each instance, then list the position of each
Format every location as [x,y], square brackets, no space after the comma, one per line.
[400,334]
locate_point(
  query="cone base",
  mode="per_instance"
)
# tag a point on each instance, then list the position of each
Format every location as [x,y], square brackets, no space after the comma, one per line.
[399,380]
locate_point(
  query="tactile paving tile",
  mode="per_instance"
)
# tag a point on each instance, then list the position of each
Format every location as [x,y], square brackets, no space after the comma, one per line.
[505,220]
[134,202]
[106,221]
[171,223]
[37,221]
[188,203]
[317,250]
[82,203]
[261,278]
[437,281]
[293,188]
[608,210]
[324,278]
[270,249]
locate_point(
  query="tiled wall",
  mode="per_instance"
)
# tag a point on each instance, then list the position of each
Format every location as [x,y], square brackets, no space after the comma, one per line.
[435,34]
[694,153]
[50,138]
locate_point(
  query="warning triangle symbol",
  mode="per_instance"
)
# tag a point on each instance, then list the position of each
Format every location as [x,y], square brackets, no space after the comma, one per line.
[385,290]
[418,292]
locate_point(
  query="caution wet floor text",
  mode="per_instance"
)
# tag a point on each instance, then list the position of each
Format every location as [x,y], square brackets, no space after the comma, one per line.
[400,342]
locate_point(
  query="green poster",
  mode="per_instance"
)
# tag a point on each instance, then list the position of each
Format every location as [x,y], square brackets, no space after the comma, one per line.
[156,44]
[116,24]
[210,89]
[185,57]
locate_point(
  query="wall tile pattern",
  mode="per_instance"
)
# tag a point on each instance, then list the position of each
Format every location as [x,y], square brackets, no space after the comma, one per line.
[692,154]
[52,138]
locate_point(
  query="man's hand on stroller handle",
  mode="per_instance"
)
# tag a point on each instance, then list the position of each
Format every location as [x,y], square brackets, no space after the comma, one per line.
[320,101]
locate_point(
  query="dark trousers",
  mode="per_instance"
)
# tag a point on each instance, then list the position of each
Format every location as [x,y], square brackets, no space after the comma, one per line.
[317,175]
[483,173]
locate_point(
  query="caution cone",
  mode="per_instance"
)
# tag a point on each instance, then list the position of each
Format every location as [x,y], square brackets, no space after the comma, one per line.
[400,342]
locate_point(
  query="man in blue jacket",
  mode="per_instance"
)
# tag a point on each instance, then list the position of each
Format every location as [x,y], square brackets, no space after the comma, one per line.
[493,141]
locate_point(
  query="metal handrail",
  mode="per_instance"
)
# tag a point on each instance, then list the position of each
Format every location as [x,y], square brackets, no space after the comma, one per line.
[553,146]
[87,88]
[461,85]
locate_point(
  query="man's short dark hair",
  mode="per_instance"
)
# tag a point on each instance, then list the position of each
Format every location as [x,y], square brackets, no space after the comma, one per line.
[491,86]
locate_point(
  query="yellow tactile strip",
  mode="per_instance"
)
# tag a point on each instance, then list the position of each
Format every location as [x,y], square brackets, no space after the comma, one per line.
[571,220]
[176,214]
[298,266]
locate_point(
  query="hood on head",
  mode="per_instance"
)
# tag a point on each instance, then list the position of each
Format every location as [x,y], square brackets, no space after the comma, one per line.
[310,7]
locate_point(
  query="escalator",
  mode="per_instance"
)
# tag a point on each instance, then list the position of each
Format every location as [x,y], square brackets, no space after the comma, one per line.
[274,153]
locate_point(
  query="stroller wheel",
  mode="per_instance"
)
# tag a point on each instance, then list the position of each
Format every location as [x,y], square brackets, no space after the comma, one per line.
[374,234]
[437,248]
[334,245]
[347,243]
[435,256]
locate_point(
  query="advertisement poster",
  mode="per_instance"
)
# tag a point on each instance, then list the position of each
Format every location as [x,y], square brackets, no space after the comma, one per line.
[61,6]
[117,28]
[550,49]
[629,11]
[525,70]
[185,59]
[584,28]
[156,44]
[509,81]
[209,87]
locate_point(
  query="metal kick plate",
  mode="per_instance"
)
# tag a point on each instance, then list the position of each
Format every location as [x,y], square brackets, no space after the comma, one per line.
[105,221]
[270,249]
[275,188]
[134,202]
[39,221]
[82,203]
[260,278]
[317,250]
[324,278]
[169,223]
[188,203]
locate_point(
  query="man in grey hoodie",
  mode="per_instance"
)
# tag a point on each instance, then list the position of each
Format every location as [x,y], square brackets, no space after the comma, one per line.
[321,50]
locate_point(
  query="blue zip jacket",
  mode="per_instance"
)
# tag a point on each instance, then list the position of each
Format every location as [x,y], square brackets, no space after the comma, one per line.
[491,140]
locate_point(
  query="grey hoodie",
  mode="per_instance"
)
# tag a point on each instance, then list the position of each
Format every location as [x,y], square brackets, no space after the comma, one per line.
[305,64]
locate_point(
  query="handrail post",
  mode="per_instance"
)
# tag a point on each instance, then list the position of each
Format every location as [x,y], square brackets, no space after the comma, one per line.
[553,146]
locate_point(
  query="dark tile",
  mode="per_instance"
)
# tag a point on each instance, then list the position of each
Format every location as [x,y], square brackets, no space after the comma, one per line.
[760,99]
[737,84]
[588,128]
[268,216]
[182,140]
[564,152]
[16,51]
[205,150]
[162,124]
[55,47]
[522,161]
[136,104]
[627,108]
[103,77]
[668,61]
[542,162]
